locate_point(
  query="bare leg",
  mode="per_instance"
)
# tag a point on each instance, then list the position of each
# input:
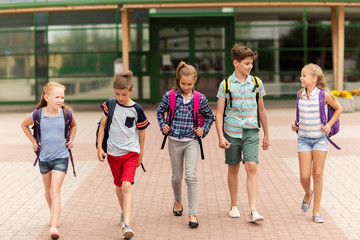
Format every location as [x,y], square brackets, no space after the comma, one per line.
[127,201]
[233,182]
[318,173]
[57,179]
[305,162]
[251,183]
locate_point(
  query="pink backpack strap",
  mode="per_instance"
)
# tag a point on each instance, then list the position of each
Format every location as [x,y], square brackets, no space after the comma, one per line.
[197,97]
[171,111]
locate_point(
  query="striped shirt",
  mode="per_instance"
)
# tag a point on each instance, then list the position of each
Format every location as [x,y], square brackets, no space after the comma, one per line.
[309,115]
[243,113]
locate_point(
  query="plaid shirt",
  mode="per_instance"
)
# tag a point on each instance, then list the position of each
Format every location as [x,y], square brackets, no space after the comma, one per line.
[183,121]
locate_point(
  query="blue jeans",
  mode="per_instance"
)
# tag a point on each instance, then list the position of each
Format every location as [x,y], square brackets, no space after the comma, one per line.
[310,144]
[60,164]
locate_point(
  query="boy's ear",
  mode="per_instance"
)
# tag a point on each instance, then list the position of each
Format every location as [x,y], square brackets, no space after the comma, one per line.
[235,63]
[131,90]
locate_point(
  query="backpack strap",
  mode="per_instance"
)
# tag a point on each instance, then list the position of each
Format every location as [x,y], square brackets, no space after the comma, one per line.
[297,110]
[256,86]
[322,106]
[170,114]
[226,84]
[36,132]
[323,116]
[196,113]
[111,109]
[68,119]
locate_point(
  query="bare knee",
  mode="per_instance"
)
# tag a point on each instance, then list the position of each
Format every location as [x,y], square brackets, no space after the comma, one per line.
[317,176]
[251,168]
[234,169]
[126,187]
[55,191]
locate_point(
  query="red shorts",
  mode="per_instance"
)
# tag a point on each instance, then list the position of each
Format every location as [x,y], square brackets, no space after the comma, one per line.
[123,167]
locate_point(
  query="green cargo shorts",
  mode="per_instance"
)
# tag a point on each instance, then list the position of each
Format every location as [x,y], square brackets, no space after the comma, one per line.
[245,149]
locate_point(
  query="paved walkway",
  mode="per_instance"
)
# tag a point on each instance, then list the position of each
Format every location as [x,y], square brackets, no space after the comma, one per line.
[90,209]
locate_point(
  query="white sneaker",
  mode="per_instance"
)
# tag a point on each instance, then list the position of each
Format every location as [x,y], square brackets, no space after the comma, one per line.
[234,211]
[254,216]
[127,231]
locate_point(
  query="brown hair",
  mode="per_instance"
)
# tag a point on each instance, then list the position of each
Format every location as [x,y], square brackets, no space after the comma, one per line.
[50,86]
[239,53]
[183,69]
[123,80]
[315,70]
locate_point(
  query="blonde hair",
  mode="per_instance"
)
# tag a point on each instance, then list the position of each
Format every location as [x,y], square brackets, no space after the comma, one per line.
[316,71]
[124,80]
[48,88]
[183,69]
[239,53]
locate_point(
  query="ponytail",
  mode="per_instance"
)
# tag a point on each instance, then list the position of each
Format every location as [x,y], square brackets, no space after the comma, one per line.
[183,69]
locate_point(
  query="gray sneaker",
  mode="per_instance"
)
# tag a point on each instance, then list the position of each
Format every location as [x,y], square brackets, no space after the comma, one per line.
[122,219]
[127,231]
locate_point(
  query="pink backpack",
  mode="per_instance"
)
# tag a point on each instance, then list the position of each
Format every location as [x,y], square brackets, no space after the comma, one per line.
[197,96]
[198,117]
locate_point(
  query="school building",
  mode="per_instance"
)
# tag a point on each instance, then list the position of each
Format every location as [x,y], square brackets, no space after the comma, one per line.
[81,43]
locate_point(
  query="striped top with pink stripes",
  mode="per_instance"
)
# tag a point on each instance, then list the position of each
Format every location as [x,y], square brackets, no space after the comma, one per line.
[309,115]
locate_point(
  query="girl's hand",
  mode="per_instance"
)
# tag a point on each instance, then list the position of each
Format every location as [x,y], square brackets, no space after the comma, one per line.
[69,144]
[295,127]
[199,131]
[326,128]
[101,154]
[35,146]
[223,143]
[166,129]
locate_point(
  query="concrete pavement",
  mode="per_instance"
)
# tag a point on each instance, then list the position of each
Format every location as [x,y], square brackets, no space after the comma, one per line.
[90,209]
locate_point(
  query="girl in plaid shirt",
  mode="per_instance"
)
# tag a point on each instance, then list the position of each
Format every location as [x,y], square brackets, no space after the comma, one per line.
[183,144]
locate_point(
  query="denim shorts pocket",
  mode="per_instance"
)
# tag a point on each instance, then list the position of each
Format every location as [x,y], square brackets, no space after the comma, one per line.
[129,122]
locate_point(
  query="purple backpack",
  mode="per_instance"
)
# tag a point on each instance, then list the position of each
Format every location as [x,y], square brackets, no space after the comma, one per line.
[334,128]
[37,133]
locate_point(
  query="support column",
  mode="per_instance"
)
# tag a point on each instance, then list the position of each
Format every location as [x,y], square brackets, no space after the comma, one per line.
[126,44]
[338,37]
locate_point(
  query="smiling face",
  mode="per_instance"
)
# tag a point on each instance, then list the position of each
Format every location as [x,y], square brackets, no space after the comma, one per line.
[244,67]
[187,84]
[123,96]
[307,80]
[55,98]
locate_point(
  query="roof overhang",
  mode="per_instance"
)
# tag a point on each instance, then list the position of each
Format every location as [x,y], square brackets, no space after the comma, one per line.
[93,5]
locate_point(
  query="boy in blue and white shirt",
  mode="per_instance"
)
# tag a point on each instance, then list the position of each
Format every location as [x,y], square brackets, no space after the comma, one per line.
[238,131]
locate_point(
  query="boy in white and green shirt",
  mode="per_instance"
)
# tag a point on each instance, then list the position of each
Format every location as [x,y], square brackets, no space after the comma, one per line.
[238,129]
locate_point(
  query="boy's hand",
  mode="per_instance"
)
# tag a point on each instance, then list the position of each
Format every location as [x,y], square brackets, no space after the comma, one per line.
[223,143]
[166,129]
[140,159]
[295,127]
[101,154]
[199,131]
[69,144]
[266,143]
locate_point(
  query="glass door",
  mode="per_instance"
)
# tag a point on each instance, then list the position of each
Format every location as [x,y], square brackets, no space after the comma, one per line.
[200,41]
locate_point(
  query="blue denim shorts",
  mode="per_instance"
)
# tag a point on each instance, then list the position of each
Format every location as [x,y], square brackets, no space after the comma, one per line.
[60,164]
[310,144]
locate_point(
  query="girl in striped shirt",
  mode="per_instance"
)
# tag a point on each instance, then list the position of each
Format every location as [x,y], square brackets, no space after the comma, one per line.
[312,142]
